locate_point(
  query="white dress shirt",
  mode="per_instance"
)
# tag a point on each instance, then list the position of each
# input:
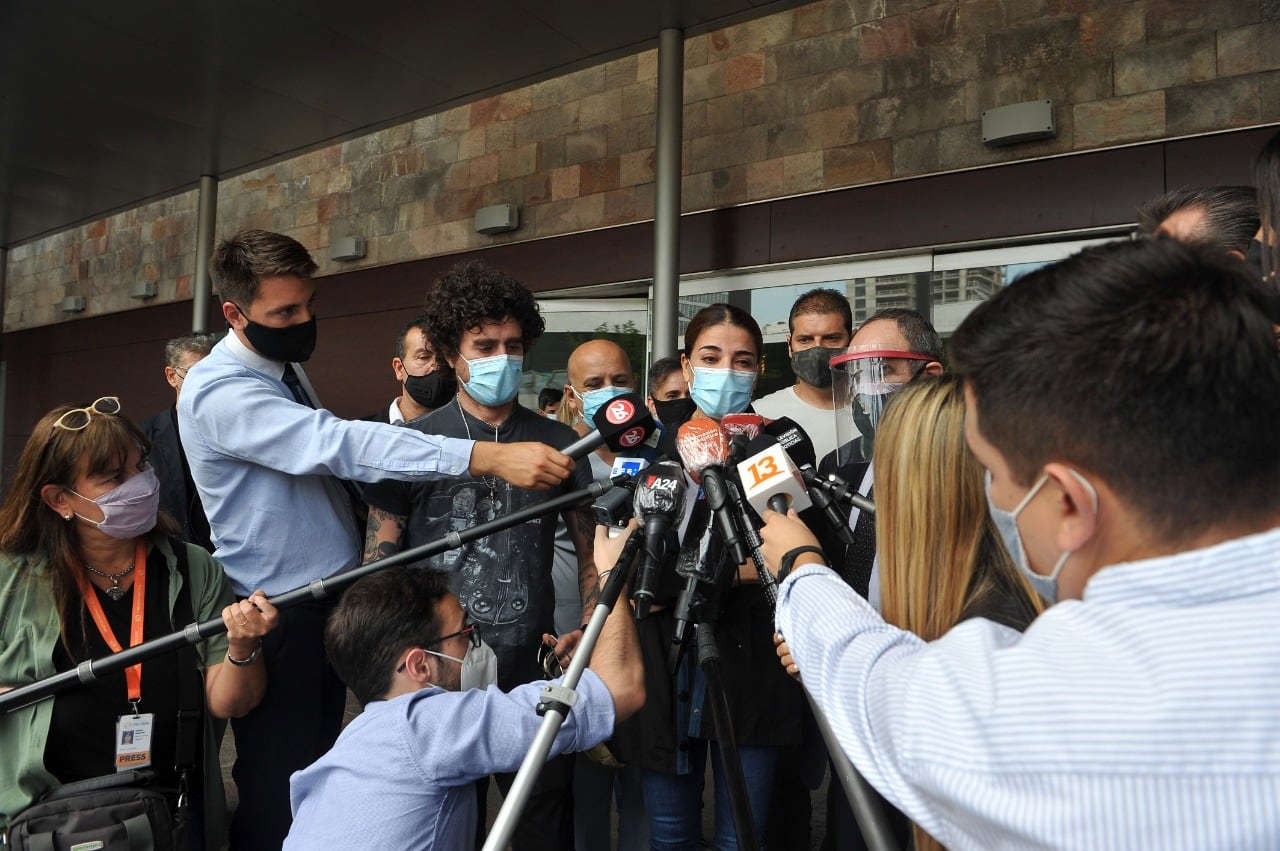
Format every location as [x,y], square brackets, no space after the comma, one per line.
[1146,715]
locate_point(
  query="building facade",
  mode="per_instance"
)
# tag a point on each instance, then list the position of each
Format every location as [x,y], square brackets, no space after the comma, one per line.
[840,133]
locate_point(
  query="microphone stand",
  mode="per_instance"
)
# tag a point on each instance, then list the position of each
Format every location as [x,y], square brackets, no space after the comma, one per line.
[91,669]
[836,490]
[866,809]
[557,700]
[693,604]
[718,701]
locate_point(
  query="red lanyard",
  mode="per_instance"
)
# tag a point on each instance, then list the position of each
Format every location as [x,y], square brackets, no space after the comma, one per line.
[132,674]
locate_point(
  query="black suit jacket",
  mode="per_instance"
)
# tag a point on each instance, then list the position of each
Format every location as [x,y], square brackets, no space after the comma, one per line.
[178,495]
[840,556]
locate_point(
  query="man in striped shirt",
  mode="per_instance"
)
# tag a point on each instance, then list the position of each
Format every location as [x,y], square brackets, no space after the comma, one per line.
[1124,403]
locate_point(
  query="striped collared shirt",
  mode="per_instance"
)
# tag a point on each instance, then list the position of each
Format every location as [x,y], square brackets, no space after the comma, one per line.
[1146,715]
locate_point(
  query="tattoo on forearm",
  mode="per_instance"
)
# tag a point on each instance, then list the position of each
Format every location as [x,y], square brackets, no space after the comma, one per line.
[589,585]
[588,576]
[382,535]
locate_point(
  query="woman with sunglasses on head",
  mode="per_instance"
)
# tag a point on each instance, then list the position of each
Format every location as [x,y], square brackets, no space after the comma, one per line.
[670,737]
[88,567]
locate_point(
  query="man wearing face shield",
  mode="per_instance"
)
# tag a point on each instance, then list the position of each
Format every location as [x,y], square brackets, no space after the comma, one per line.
[891,349]
[818,329]
[1123,402]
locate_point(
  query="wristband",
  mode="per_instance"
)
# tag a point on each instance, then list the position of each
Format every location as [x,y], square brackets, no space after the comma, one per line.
[790,557]
[242,663]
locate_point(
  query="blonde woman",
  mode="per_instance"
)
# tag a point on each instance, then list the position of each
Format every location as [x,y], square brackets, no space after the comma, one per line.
[941,558]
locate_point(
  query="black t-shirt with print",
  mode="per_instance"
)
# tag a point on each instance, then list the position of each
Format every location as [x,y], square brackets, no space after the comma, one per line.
[503,580]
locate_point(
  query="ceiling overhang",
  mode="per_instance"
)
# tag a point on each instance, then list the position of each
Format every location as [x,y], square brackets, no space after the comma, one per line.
[104,106]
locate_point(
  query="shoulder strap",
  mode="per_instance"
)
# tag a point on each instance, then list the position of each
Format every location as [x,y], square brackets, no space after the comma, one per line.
[190,687]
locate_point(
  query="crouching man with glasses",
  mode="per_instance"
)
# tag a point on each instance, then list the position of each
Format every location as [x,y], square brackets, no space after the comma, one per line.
[401,774]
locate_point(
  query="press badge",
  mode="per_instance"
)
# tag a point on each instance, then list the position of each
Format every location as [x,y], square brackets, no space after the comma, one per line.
[133,741]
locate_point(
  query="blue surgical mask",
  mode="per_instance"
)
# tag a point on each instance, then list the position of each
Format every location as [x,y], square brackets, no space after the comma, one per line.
[717,392]
[593,399]
[1007,525]
[494,380]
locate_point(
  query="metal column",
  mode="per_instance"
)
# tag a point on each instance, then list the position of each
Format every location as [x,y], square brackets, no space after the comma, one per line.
[201,286]
[666,224]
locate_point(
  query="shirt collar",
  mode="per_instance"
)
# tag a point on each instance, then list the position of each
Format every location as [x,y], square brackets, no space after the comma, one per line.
[1240,567]
[252,359]
[393,413]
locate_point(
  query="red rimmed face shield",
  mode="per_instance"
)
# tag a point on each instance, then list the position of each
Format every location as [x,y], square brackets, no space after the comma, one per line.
[863,380]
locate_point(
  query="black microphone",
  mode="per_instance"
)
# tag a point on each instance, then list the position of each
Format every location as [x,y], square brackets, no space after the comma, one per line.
[701,569]
[613,506]
[796,443]
[838,490]
[623,424]
[716,490]
[659,502]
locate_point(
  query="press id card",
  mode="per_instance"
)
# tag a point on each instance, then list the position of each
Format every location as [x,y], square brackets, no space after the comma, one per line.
[133,741]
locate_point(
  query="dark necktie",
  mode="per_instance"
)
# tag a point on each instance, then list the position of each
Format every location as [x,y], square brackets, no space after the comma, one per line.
[358,508]
[861,554]
[294,383]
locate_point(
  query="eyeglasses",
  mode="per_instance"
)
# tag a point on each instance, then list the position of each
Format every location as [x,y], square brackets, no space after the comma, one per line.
[471,630]
[78,418]
[181,371]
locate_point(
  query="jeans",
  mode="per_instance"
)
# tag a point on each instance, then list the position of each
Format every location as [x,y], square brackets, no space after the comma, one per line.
[674,801]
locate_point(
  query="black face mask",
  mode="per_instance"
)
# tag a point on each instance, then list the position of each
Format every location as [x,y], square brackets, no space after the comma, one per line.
[432,390]
[813,366]
[866,426]
[673,413]
[293,343]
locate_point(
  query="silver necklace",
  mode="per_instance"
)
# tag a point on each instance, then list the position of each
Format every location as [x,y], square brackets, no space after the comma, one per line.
[490,481]
[115,592]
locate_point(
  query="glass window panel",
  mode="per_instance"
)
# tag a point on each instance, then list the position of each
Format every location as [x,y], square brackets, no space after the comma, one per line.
[572,322]
[960,281]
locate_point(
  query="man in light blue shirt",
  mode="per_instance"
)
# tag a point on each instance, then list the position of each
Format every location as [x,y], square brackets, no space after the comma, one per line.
[402,773]
[267,462]
[1124,402]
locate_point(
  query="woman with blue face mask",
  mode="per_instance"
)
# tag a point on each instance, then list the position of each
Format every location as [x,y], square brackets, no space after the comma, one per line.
[723,356]
[89,566]
[672,736]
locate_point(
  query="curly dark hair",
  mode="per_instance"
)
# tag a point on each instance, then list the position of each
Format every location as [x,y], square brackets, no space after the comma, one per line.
[471,294]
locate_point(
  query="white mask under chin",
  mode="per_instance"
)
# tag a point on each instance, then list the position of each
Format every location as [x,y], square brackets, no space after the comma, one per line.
[479,666]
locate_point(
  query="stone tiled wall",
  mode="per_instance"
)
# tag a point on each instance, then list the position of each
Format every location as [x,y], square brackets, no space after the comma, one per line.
[833,94]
